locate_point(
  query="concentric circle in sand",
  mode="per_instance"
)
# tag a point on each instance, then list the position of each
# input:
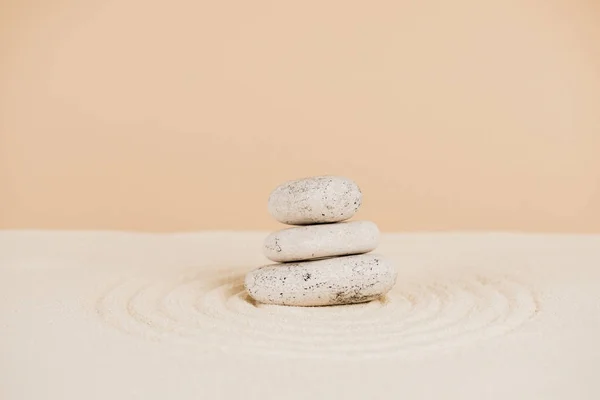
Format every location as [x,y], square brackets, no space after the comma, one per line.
[210,310]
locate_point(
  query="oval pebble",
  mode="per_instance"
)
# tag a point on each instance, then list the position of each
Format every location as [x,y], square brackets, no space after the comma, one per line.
[318,241]
[332,281]
[314,200]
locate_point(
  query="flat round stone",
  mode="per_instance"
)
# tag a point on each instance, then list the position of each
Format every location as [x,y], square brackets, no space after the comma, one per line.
[318,241]
[332,281]
[319,199]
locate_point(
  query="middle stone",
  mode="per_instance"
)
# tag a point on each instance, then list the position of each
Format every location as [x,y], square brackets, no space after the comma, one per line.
[318,241]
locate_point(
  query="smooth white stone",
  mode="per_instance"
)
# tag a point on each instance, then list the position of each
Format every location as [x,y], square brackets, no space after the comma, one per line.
[341,280]
[318,241]
[314,200]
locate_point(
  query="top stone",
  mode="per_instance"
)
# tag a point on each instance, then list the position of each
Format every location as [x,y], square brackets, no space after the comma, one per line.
[315,200]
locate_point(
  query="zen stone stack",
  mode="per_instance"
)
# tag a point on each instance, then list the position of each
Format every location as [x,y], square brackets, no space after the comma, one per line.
[323,259]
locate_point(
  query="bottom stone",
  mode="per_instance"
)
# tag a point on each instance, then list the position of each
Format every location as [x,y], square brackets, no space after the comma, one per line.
[332,281]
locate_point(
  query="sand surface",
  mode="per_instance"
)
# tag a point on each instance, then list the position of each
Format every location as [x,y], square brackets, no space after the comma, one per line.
[126,316]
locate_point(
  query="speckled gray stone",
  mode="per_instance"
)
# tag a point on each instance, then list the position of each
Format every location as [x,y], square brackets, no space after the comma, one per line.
[331,281]
[318,241]
[315,200]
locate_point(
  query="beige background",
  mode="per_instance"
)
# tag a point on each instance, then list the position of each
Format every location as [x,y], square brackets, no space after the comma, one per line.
[183,115]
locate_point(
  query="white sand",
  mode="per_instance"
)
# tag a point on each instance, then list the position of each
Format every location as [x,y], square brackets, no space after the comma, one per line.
[127,316]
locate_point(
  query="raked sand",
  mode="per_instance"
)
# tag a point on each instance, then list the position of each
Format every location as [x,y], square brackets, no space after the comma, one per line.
[144,316]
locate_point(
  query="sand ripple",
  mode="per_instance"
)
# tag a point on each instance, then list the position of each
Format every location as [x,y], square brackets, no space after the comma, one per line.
[211,311]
